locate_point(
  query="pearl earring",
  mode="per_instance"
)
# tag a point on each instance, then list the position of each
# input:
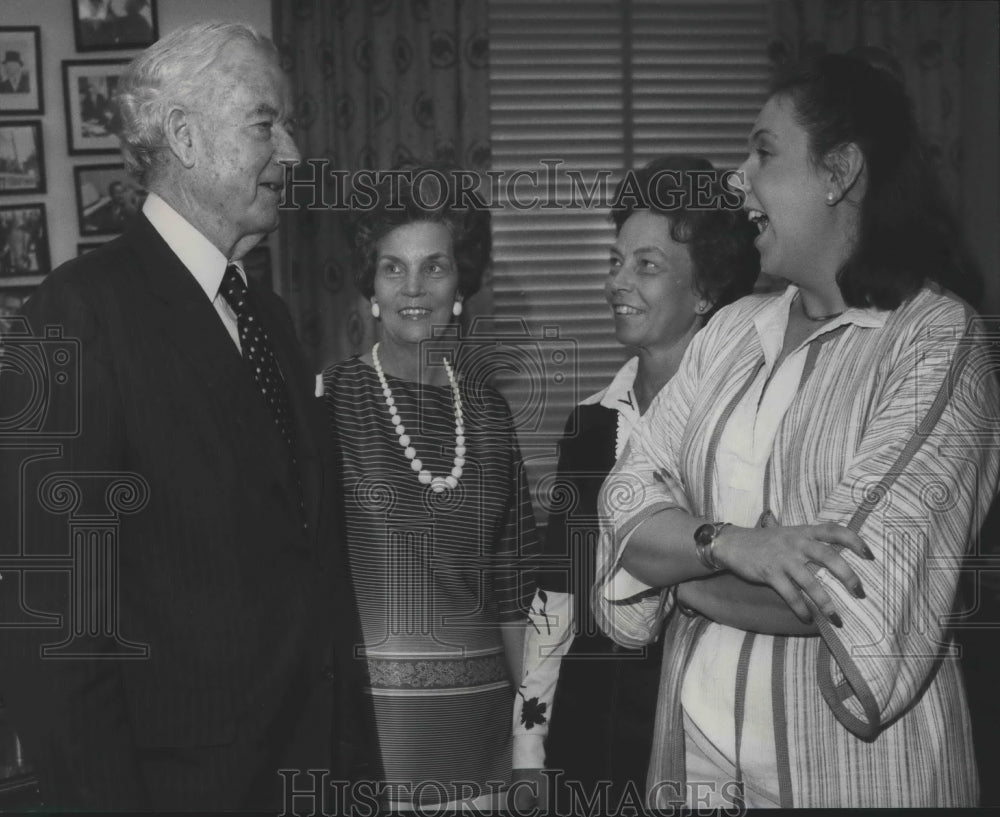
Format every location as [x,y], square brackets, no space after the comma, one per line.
[830,197]
[456,308]
[375,310]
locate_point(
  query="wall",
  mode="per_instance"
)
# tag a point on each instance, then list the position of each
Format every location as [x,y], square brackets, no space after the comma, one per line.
[56,22]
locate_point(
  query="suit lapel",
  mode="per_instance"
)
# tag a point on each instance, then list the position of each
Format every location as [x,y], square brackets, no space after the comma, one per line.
[182,316]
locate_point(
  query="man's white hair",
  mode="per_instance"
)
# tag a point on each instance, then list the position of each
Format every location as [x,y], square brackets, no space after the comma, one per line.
[168,74]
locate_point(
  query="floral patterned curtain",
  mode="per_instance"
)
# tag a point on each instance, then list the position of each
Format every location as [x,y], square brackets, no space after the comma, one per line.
[375,82]
[926,38]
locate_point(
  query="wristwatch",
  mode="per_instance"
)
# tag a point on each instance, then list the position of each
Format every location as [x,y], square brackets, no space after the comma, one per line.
[704,541]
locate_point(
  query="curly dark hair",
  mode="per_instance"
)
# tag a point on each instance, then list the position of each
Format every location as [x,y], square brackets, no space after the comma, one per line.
[908,233]
[414,192]
[704,214]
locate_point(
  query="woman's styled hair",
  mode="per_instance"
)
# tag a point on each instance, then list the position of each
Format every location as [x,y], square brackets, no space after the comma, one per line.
[170,73]
[908,233]
[704,214]
[413,193]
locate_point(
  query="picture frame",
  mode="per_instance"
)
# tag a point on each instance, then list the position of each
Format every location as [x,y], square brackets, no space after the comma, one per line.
[22,158]
[24,244]
[21,89]
[12,299]
[113,25]
[92,119]
[107,199]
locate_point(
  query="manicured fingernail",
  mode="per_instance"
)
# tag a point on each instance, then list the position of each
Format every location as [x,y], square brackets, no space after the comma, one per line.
[835,620]
[859,591]
[868,554]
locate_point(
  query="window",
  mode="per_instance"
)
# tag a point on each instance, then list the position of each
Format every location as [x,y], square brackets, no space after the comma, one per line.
[580,88]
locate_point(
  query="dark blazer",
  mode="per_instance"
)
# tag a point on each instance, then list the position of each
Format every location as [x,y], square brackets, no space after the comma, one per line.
[601,731]
[242,598]
[23,86]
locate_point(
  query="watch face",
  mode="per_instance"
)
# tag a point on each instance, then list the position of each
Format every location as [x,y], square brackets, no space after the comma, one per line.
[705,534]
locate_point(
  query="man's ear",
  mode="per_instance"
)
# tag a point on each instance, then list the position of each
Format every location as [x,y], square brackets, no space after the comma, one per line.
[181,136]
[846,165]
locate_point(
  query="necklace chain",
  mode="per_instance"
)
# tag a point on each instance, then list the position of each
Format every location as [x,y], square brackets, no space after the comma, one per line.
[438,484]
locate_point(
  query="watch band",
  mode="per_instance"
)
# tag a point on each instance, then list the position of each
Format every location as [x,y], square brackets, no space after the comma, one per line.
[704,540]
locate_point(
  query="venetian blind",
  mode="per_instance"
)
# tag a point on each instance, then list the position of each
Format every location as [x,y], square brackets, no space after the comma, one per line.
[590,88]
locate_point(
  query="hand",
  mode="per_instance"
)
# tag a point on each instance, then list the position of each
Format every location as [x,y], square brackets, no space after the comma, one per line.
[786,559]
[531,794]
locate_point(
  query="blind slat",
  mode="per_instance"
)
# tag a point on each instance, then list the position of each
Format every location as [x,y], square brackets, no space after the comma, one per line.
[699,75]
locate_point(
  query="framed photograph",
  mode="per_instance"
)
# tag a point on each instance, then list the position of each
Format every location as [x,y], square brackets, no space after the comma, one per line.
[24,244]
[22,158]
[89,87]
[13,298]
[257,265]
[107,198]
[104,25]
[21,70]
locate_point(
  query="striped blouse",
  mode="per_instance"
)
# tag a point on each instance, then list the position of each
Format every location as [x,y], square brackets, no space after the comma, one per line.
[893,431]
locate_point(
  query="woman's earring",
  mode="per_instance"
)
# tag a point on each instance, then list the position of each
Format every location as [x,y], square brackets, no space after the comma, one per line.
[375,310]
[830,197]
[456,308]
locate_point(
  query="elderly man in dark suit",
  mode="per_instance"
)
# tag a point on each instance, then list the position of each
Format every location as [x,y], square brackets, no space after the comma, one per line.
[13,80]
[202,639]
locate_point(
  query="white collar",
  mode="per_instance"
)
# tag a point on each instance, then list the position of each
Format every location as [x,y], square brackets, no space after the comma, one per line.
[618,394]
[772,321]
[201,257]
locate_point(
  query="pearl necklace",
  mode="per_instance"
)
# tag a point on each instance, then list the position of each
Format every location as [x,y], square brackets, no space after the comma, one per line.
[438,484]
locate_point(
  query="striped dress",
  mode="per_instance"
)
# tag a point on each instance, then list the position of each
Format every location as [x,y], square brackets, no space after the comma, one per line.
[434,575]
[894,431]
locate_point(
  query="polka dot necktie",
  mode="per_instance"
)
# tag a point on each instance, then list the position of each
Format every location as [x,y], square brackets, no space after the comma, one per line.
[258,354]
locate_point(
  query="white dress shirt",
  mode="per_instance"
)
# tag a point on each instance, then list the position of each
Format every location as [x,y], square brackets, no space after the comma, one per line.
[201,257]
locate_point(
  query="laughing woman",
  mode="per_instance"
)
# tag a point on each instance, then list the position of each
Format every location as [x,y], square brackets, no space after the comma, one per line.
[438,514]
[672,266]
[830,452]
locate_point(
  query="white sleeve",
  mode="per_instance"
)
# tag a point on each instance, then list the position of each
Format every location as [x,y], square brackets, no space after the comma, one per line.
[547,639]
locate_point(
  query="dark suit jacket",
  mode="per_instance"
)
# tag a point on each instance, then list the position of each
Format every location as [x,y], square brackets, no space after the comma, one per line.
[601,728]
[23,86]
[243,600]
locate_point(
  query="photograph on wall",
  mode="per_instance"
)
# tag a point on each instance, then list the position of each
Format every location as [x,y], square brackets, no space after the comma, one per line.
[103,25]
[20,70]
[22,158]
[89,88]
[12,299]
[24,241]
[107,198]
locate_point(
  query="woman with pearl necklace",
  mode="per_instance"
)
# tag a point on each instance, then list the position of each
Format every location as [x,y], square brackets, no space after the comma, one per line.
[439,522]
